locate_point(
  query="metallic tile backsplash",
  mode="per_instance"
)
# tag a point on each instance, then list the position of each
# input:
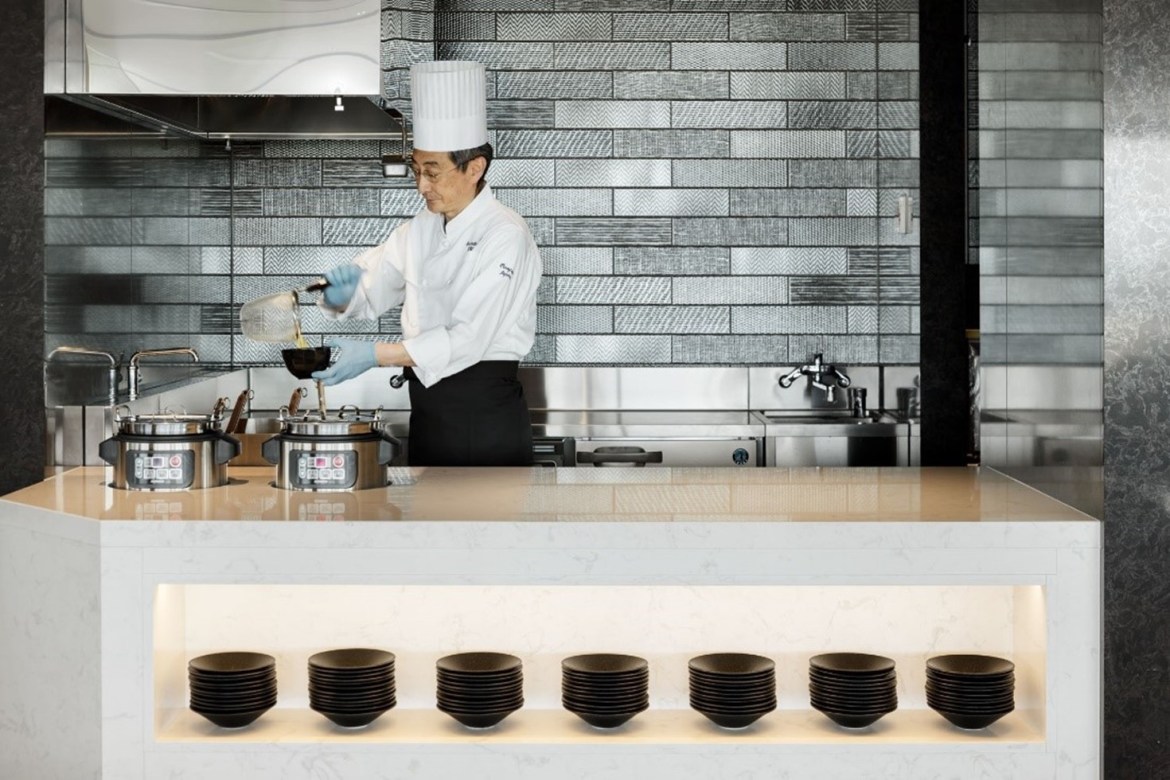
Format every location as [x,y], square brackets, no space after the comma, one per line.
[710,183]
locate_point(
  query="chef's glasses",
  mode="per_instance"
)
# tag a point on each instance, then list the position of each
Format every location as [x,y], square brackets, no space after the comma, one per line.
[430,176]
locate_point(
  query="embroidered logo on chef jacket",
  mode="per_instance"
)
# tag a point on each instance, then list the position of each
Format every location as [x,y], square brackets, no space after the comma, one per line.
[505,271]
[471,245]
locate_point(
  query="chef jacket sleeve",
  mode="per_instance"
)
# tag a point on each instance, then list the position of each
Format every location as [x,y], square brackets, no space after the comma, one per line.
[502,294]
[382,286]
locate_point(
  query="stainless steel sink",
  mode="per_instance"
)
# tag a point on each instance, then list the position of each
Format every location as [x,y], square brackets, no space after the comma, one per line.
[822,417]
[833,437]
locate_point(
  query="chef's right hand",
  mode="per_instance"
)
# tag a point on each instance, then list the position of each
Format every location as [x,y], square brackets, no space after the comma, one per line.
[343,281]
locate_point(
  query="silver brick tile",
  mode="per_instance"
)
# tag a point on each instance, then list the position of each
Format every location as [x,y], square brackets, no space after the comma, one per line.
[553,27]
[800,202]
[178,260]
[461,27]
[616,6]
[897,56]
[861,85]
[900,290]
[574,319]
[831,56]
[730,350]
[832,114]
[899,349]
[895,85]
[612,113]
[893,143]
[88,259]
[495,5]
[897,27]
[757,85]
[674,144]
[787,143]
[832,173]
[787,27]
[879,259]
[611,56]
[262,232]
[249,173]
[670,261]
[543,230]
[556,84]
[728,6]
[832,232]
[557,202]
[863,319]
[294,260]
[82,173]
[610,350]
[861,27]
[837,349]
[788,261]
[357,232]
[521,114]
[728,56]
[861,202]
[558,260]
[861,143]
[500,55]
[898,173]
[731,290]
[897,114]
[610,290]
[833,290]
[670,27]
[1065,114]
[610,231]
[521,173]
[308,150]
[419,25]
[613,173]
[402,53]
[897,319]
[1051,86]
[543,352]
[93,202]
[295,173]
[546,291]
[160,202]
[670,202]
[788,319]
[320,202]
[730,173]
[1023,318]
[672,319]
[404,203]
[555,143]
[185,289]
[730,231]
[241,260]
[659,85]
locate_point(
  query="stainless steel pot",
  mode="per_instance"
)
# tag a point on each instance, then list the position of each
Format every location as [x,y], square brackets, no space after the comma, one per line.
[168,452]
[335,452]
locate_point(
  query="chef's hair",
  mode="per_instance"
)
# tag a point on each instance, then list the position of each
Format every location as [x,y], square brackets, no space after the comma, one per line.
[462,157]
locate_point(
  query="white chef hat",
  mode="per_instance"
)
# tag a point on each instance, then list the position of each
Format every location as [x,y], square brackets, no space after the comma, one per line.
[449,105]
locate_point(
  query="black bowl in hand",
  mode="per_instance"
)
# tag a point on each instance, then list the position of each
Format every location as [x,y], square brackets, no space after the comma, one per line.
[301,363]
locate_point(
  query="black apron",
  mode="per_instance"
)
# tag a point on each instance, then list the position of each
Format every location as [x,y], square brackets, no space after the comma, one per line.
[477,417]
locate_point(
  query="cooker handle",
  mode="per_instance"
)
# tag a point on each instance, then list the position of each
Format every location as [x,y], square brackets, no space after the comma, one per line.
[226,447]
[635,455]
[270,449]
[108,451]
[388,447]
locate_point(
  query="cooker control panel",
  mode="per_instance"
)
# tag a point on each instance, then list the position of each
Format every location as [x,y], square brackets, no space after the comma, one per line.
[156,469]
[323,470]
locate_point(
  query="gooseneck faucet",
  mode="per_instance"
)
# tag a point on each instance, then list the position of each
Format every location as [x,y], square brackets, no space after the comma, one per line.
[135,372]
[819,371]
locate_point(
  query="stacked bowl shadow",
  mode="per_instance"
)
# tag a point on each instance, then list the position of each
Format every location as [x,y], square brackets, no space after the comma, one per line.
[971,691]
[232,689]
[732,689]
[352,686]
[480,689]
[605,689]
[853,690]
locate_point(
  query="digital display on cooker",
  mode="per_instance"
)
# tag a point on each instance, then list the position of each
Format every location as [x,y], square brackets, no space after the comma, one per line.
[317,470]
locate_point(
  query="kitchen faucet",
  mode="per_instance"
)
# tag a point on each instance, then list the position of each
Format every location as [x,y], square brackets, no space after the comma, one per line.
[113,370]
[819,371]
[135,372]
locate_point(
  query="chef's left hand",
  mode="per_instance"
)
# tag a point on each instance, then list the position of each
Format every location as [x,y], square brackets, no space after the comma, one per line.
[354,357]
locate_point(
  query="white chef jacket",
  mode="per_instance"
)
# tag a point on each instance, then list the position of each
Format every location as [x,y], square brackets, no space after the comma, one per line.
[467,288]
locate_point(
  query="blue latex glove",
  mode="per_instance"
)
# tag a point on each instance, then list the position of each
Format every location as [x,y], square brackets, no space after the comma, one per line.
[353,357]
[343,281]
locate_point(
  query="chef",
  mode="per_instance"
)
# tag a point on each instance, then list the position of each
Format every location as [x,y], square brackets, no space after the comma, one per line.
[465,271]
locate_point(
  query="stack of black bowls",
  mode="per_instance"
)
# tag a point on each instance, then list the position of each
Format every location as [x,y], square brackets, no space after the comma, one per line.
[853,690]
[733,689]
[352,686]
[232,689]
[605,689]
[480,689]
[971,691]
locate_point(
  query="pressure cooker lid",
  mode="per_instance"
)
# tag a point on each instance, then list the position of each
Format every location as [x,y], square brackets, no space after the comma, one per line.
[167,424]
[347,421]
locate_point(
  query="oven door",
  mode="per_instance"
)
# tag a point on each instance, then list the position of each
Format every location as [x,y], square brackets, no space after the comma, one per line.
[699,451]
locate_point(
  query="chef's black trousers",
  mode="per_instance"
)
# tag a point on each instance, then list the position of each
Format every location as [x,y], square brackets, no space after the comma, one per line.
[477,417]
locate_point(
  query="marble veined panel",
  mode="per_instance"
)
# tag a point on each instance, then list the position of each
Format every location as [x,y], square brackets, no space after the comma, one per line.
[239,48]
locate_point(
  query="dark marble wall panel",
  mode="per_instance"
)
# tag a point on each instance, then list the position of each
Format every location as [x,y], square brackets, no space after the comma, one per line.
[22,258]
[1137,375]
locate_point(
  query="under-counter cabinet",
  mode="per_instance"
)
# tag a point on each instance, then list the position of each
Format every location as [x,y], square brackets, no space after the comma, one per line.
[107,594]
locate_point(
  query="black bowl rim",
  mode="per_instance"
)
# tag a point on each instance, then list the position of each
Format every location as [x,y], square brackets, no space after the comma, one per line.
[204,664]
[333,660]
[604,664]
[749,664]
[494,663]
[993,665]
[863,663]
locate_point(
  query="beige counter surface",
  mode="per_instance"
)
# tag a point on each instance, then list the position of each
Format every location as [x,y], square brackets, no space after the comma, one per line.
[577,494]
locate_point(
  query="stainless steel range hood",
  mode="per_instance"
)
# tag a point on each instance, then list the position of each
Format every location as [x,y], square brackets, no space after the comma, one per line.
[217,69]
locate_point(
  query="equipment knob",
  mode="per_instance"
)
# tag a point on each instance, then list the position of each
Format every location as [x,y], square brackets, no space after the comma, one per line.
[740,456]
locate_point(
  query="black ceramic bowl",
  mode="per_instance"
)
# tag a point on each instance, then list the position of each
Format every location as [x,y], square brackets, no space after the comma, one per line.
[733,721]
[350,659]
[352,720]
[606,720]
[233,663]
[969,665]
[231,720]
[301,363]
[718,665]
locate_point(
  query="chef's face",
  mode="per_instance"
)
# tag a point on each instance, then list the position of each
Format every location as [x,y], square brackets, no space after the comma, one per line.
[446,189]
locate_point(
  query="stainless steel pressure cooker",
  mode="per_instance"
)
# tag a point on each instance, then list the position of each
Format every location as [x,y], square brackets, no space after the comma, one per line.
[346,450]
[168,451]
